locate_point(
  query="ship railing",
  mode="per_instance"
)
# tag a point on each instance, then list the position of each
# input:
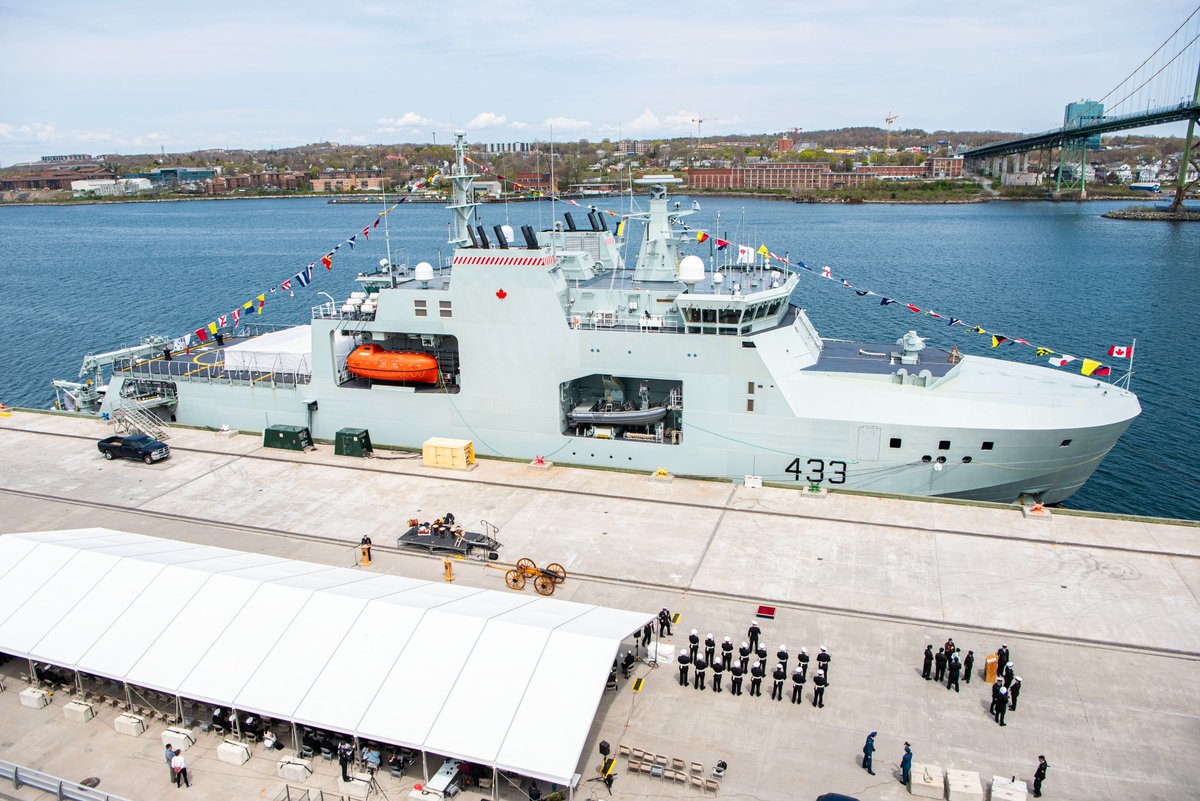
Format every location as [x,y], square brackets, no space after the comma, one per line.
[607,321]
[326,312]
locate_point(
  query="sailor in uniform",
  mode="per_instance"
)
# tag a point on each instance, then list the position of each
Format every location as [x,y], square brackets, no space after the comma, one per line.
[1014,690]
[693,644]
[756,677]
[684,661]
[782,656]
[735,678]
[718,669]
[927,664]
[701,666]
[752,635]
[710,648]
[664,622]
[779,674]
[727,652]
[823,660]
[802,661]
[797,685]
[819,685]
[744,657]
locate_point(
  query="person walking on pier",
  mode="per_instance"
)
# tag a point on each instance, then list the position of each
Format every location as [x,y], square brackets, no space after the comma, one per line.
[797,685]
[179,767]
[802,661]
[718,669]
[756,677]
[927,664]
[727,652]
[954,669]
[819,685]
[647,634]
[701,665]
[684,660]
[664,622]
[869,752]
[752,635]
[940,660]
[693,644]
[906,764]
[968,666]
[1039,776]
[1013,691]
[710,648]
[778,675]
[735,678]
[744,657]
[170,754]
[823,661]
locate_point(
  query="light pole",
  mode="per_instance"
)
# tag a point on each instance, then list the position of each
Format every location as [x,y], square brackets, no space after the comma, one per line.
[332,302]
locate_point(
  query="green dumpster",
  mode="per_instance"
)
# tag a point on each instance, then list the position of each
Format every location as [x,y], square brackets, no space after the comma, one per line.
[352,442]
[288,438]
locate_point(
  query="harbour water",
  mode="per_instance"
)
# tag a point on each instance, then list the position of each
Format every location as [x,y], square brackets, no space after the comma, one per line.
[89,278]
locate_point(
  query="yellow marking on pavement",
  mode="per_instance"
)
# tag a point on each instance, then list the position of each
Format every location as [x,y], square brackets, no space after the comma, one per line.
[637,684]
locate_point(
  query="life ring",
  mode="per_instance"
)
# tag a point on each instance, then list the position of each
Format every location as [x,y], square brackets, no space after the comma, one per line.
[575,321]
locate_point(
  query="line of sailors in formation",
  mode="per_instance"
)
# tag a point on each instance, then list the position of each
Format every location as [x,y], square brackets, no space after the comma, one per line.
[740,666]
[947,666]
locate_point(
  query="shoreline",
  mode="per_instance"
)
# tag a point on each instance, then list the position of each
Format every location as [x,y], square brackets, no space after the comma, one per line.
[798,199]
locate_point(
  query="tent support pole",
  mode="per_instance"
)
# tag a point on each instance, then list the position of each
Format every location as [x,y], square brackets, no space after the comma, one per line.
[495,783]
[33,674]
[78,682]
[178,709]
[237,725]
[295,738]
[424,767]
[128,697]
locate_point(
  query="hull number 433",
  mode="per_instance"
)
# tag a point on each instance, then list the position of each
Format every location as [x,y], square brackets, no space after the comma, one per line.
[818,470]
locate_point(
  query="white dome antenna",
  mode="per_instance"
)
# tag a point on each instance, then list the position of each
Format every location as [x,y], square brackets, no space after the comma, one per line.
[691,270]
[424,273]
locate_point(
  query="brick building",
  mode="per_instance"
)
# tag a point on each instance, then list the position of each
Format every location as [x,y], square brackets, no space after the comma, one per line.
[280,180]
[56,177]
[811,175]
[346,181]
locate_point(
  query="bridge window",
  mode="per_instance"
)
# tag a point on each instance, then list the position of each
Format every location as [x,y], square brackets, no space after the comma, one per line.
[419,309]
[1064,443]
[444,309]
[944,445]
[987,446]
[894,442]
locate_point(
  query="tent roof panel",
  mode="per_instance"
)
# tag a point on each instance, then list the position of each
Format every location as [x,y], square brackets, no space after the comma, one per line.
[173,655]
[50,602]
[12,551]
[67,641]
[358,668]
[234,656]
[286,674]
[372,587]
[129,637]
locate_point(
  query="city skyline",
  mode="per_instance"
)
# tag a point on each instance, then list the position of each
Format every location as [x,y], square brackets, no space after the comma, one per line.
[130,77]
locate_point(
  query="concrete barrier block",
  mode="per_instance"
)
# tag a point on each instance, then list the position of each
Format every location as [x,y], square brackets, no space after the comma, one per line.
[78,711]
[293,769]
[963,785]
[1008,789]
[927,781]
[233,753]
[177,737]
[129,725]
[34,698]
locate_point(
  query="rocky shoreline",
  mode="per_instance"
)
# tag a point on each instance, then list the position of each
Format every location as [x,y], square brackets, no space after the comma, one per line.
[1141,213]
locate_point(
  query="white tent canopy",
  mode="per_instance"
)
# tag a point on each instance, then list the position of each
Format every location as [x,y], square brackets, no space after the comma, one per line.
[286,351]
[458,671]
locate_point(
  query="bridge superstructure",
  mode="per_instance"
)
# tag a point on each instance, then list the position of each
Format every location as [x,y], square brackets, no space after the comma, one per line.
[1167,72]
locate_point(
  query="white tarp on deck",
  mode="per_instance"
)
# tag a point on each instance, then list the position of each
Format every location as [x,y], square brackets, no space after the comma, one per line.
[438,667]
[286,351]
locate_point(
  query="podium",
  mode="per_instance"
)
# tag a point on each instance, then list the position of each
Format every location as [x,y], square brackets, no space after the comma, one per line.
[991,668]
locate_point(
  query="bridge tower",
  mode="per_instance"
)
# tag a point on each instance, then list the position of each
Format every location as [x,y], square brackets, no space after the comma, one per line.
[1185,161]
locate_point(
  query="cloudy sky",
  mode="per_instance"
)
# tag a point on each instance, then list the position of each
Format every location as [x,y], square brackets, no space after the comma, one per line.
[134,77]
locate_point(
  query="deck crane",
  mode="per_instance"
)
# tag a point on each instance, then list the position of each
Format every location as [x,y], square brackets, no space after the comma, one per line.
[888,120]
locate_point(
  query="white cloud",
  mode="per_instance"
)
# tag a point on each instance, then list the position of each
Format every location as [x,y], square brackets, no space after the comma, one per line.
[405,123]
[487,120]
[152,138]
[28,132]
[517,124]
[646,121]
[566,124]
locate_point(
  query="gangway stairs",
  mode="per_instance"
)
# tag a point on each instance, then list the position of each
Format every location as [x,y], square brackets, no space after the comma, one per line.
[134,417]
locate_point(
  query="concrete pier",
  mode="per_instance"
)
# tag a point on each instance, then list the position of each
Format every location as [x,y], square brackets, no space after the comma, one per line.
[1100,613]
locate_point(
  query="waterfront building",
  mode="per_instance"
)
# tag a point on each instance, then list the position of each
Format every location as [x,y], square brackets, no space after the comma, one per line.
[507,147]
[56,177]
[347,181]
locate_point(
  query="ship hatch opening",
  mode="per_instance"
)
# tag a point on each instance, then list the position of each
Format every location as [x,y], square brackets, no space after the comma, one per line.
[422,363]
[632,408]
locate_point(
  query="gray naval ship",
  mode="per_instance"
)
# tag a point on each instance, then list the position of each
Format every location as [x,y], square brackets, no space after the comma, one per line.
[545,344]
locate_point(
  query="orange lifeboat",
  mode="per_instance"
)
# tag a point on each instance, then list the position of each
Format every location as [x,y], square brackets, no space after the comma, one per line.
[377,363]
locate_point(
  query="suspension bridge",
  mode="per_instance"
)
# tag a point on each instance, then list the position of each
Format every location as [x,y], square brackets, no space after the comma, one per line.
[1162,89]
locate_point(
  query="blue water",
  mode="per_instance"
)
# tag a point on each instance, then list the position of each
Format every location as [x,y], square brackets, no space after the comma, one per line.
[89,278]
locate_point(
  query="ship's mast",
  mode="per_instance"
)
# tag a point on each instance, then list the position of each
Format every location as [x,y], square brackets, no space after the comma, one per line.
[460,200]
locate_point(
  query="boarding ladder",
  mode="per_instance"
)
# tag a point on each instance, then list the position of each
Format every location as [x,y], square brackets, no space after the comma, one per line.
[134,417]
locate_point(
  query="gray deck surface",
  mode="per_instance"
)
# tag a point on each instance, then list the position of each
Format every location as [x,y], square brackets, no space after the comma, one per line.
[1101,614]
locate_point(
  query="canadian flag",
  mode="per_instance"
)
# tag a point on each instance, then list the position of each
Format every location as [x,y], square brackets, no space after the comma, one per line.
[1121,351]
[826,272]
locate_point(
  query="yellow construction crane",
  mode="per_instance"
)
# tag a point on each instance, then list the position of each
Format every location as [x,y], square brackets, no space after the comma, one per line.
[888,121]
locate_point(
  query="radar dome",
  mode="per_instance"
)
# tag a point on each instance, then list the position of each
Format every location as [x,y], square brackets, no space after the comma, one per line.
[424,271]
[691,270]
[383,263]
[718,278]
[509,235]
